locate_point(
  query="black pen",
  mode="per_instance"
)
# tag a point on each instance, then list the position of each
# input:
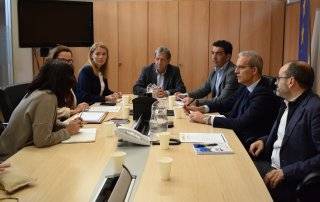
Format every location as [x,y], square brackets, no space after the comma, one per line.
[191,102]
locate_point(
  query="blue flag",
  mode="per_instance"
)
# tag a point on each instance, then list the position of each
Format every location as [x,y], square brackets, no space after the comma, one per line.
[304,31]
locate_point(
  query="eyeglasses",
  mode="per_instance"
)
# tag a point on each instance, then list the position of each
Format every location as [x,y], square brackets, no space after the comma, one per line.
[69,61]
[282,77]
[242,66]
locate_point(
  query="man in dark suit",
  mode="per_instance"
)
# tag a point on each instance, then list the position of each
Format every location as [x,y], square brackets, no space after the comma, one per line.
[162,74]
[292,149]
[222,81]
[251,111]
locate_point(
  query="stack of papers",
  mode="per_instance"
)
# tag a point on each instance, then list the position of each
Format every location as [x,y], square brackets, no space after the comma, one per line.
[207,143]
[99,108]
[93,117]
[84,135]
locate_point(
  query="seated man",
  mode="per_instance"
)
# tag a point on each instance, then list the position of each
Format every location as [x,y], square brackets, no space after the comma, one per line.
[222,82]
[252,109]
[292,149]
[162,74]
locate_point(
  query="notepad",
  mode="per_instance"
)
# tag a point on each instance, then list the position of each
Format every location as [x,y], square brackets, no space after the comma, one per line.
[93,117]
[203,138]
[104,108]
[84,135]
[217,148]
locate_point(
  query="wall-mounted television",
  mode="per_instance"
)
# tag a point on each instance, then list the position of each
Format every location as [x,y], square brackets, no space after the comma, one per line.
[46,23]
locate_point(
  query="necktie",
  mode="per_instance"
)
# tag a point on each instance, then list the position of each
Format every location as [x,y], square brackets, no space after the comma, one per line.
[243,101]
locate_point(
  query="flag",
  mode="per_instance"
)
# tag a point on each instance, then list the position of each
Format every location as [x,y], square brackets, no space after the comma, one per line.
[315,51]
[304,30]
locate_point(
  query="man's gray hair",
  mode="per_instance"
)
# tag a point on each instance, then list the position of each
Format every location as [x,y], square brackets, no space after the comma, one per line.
[163,50]
[255,60]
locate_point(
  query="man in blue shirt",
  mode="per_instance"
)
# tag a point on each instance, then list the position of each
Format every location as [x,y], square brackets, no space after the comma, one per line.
[221,83]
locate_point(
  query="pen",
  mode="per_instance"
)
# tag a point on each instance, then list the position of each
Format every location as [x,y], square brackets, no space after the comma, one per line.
[191,102]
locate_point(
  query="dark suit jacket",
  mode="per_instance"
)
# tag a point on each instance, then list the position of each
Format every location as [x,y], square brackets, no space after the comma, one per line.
[227,87]
[88,87]
[300,149]
[260,109]
[172,80]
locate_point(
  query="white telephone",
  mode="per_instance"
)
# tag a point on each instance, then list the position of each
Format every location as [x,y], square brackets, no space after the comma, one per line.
[133,135]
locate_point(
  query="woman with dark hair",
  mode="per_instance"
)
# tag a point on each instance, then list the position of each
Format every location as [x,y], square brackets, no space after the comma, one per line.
[33,122]
[92,85]
[64,53]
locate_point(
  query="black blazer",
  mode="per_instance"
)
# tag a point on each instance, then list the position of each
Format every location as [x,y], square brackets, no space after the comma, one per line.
[172,80]
[88,87]
[260,109]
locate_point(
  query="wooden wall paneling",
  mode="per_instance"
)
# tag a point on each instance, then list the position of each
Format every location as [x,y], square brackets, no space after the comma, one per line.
[80,57]
[106,31]
[193,42]
[277,34]
[291,38]
[163,28]
[225,24]
[133,40]
[255,29]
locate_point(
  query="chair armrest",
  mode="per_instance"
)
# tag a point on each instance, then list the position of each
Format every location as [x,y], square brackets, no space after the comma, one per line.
[309,187]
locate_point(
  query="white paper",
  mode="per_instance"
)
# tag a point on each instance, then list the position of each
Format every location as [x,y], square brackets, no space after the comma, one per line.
[84,135]
[203,138]
[104,109]
[92,116]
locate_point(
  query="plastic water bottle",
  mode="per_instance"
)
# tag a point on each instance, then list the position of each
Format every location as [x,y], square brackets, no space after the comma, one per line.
[158,120]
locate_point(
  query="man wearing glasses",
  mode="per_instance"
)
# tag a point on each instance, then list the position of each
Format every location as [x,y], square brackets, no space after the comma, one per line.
[251,111]
[292,149]
[221,83]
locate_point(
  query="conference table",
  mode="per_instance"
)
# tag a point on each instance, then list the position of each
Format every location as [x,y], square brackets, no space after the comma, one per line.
[72,172]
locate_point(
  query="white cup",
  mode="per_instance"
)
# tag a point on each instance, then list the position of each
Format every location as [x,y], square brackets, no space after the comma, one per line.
[126,99]
[165,167]
[172,100]
[108,128]
[178,111]
[117,160]
[164,140]
[125,112]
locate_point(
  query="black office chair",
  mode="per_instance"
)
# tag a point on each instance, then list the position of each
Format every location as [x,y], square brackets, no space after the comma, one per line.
[271,82]
[308,189]
[5,105]
[11,97]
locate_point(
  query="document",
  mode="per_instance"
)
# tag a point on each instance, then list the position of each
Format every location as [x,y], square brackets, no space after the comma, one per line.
[84,135]
[203,137]
[93,117]
[215,148]
[96,108]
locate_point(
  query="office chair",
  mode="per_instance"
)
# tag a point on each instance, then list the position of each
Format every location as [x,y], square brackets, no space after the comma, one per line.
[5,105]
[308,189]
[271,82]
[16,93]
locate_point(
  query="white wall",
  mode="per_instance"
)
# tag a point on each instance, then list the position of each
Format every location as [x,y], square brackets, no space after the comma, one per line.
[22,57]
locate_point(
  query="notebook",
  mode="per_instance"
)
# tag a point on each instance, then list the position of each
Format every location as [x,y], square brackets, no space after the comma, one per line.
[100,108]
[84,135]
[93,117]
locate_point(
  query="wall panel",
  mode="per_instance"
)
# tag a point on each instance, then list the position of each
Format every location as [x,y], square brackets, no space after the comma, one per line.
[193,42]
[163,28]
[133,40]
[255,30]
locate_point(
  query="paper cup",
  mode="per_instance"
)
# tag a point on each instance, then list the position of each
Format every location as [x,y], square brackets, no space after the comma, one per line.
[164,138]
[108,128]
[178,111]
[125,99]
[125,112]
[172,100]
[117,160]
[165,167]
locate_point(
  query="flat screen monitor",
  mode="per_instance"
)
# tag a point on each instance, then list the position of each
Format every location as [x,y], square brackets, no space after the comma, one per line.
[47,23]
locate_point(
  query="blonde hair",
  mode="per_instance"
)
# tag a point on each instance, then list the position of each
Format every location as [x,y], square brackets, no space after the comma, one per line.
[94,47]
